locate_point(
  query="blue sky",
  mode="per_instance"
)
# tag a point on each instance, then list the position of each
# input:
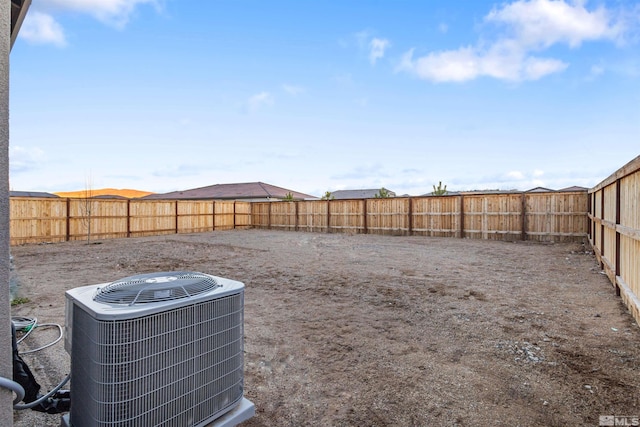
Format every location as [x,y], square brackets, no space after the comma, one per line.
[315,96]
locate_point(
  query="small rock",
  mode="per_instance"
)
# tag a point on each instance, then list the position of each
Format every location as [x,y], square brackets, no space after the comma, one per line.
[614,329]
[545,403]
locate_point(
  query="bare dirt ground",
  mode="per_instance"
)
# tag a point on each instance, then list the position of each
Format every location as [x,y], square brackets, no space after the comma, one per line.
[364,330]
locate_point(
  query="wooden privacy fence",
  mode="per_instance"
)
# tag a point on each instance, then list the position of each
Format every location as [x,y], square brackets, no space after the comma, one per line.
[35,220]
[614,231]
[548,216]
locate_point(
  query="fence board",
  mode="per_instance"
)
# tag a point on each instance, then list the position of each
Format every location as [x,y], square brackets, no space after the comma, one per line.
[152,217]
[388,216]
[436,216]
[91,219]
[347,216]
[313,215]
[194,216]
[260,214]
[493,216]
[243,215]
[225,215]
[556,216]
[37,220]
[615,231]
[283,215]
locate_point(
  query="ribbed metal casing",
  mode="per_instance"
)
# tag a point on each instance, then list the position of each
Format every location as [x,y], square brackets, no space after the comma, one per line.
[168,363]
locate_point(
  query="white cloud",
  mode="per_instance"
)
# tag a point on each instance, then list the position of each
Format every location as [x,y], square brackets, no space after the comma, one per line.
[531,26]
[374,47]
[112,12]
[345,79]
[293,90]
[542,23]
[23,159]
[377,48]
[40,28]
[362,173]
[443,28]
[514,179]
[536,68]
[469,63]
[453,66]
[259,100]
[596,70]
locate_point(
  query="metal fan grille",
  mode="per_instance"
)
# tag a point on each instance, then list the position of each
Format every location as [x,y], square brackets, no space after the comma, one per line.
[156,287]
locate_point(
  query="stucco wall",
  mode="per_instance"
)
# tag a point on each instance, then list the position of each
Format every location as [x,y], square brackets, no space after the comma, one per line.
[6,396]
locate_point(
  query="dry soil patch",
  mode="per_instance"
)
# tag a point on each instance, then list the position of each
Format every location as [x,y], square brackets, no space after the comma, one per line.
[352,330]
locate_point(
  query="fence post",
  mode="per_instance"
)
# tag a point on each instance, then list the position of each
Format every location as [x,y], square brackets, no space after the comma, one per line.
[364,213]
[328,216]
[234,214]
[213,213]
[617,230]
[589,214]
[602,227]
[410,221]
[269,217]
[67,234]
[296,214]
[523,235]
[462,216]
[128,217]
[175,207]
[593,219]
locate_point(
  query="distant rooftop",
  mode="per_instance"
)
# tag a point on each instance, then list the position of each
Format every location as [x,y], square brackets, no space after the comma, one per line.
[240,191]
[32,194]
[539,190]
[358,194]
[574,188]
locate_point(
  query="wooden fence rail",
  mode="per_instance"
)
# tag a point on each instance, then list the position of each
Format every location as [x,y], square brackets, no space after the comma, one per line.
[614,231]
[36,220]
[549,216]
[552,216]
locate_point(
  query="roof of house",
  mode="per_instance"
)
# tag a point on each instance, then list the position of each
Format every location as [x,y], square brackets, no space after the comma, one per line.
[247,190]
[539,190]
[109,196]
[446,193]
[574,188]
[31,194]
[358,194]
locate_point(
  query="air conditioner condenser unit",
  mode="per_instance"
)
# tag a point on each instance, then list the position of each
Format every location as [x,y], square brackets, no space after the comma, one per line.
[159,349]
